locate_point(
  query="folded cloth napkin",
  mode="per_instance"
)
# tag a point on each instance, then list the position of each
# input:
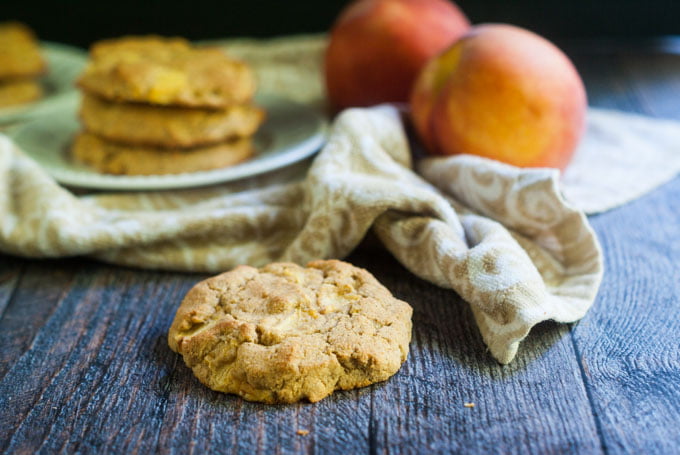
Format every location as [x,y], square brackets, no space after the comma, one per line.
[503,238]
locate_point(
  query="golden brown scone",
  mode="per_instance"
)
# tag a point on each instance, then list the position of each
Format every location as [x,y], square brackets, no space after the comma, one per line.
[284,333]
[19,91]
[19,52]
[138,44]
[166,71]
[112,158]
[170,127]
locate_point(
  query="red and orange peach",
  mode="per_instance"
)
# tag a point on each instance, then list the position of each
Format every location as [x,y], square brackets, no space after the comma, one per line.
[501,92]
[378,47]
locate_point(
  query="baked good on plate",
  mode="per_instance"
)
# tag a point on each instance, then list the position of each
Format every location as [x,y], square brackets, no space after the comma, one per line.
[166,71]
[20,65]
[154,105]
[115,158]
[19,52]
[170,127]
[19,91]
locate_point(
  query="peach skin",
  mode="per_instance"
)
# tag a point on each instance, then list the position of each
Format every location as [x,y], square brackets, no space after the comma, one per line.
[378,47]
[504,93]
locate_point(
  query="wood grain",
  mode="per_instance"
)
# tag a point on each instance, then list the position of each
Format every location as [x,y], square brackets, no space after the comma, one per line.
[422,409]
[629,343]
[10,270]
[108,380]
[85,366]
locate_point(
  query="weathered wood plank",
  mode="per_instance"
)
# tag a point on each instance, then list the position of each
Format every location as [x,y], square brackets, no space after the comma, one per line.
[630,341]
[605,85]
[10,271]
[80,381]
[31,304]
[99,375]
[537,404]
[86,367]
[654,81]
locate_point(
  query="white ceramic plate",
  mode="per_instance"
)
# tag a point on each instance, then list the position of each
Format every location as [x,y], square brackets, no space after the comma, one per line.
[291,133]
[64,64]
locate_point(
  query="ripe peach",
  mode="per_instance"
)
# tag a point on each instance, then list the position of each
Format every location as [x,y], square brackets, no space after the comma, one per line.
[504,93]
[377,48]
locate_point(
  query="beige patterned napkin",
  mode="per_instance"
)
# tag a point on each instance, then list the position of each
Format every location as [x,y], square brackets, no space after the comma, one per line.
[543,264]
[503,238]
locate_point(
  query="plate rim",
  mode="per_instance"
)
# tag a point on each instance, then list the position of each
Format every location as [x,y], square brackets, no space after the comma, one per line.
[250,168]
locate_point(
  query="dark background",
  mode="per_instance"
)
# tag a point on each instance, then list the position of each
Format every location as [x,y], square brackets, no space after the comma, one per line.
[82,22]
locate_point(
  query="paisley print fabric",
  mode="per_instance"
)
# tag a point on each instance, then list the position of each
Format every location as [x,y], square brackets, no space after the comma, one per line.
[505,239]
[502,238]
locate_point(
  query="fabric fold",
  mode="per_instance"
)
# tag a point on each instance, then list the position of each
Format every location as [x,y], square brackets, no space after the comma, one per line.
[501,237]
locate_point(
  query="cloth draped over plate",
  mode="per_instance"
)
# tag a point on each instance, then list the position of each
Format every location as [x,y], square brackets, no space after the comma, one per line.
[503,238]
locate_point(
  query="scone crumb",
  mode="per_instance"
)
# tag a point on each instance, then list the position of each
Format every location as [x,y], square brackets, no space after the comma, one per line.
[303,432]
[469,405]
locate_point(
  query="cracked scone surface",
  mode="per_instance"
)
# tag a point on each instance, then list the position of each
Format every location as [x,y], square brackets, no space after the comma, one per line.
[166,71]
[285,333]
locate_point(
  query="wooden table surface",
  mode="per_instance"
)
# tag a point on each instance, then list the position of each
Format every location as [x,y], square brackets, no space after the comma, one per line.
[85,366]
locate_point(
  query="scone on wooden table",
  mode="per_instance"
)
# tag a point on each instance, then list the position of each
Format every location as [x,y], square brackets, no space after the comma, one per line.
[20,64]
[285,333]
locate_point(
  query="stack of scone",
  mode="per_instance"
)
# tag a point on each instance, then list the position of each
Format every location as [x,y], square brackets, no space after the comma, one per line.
[20,65]
[155,105]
